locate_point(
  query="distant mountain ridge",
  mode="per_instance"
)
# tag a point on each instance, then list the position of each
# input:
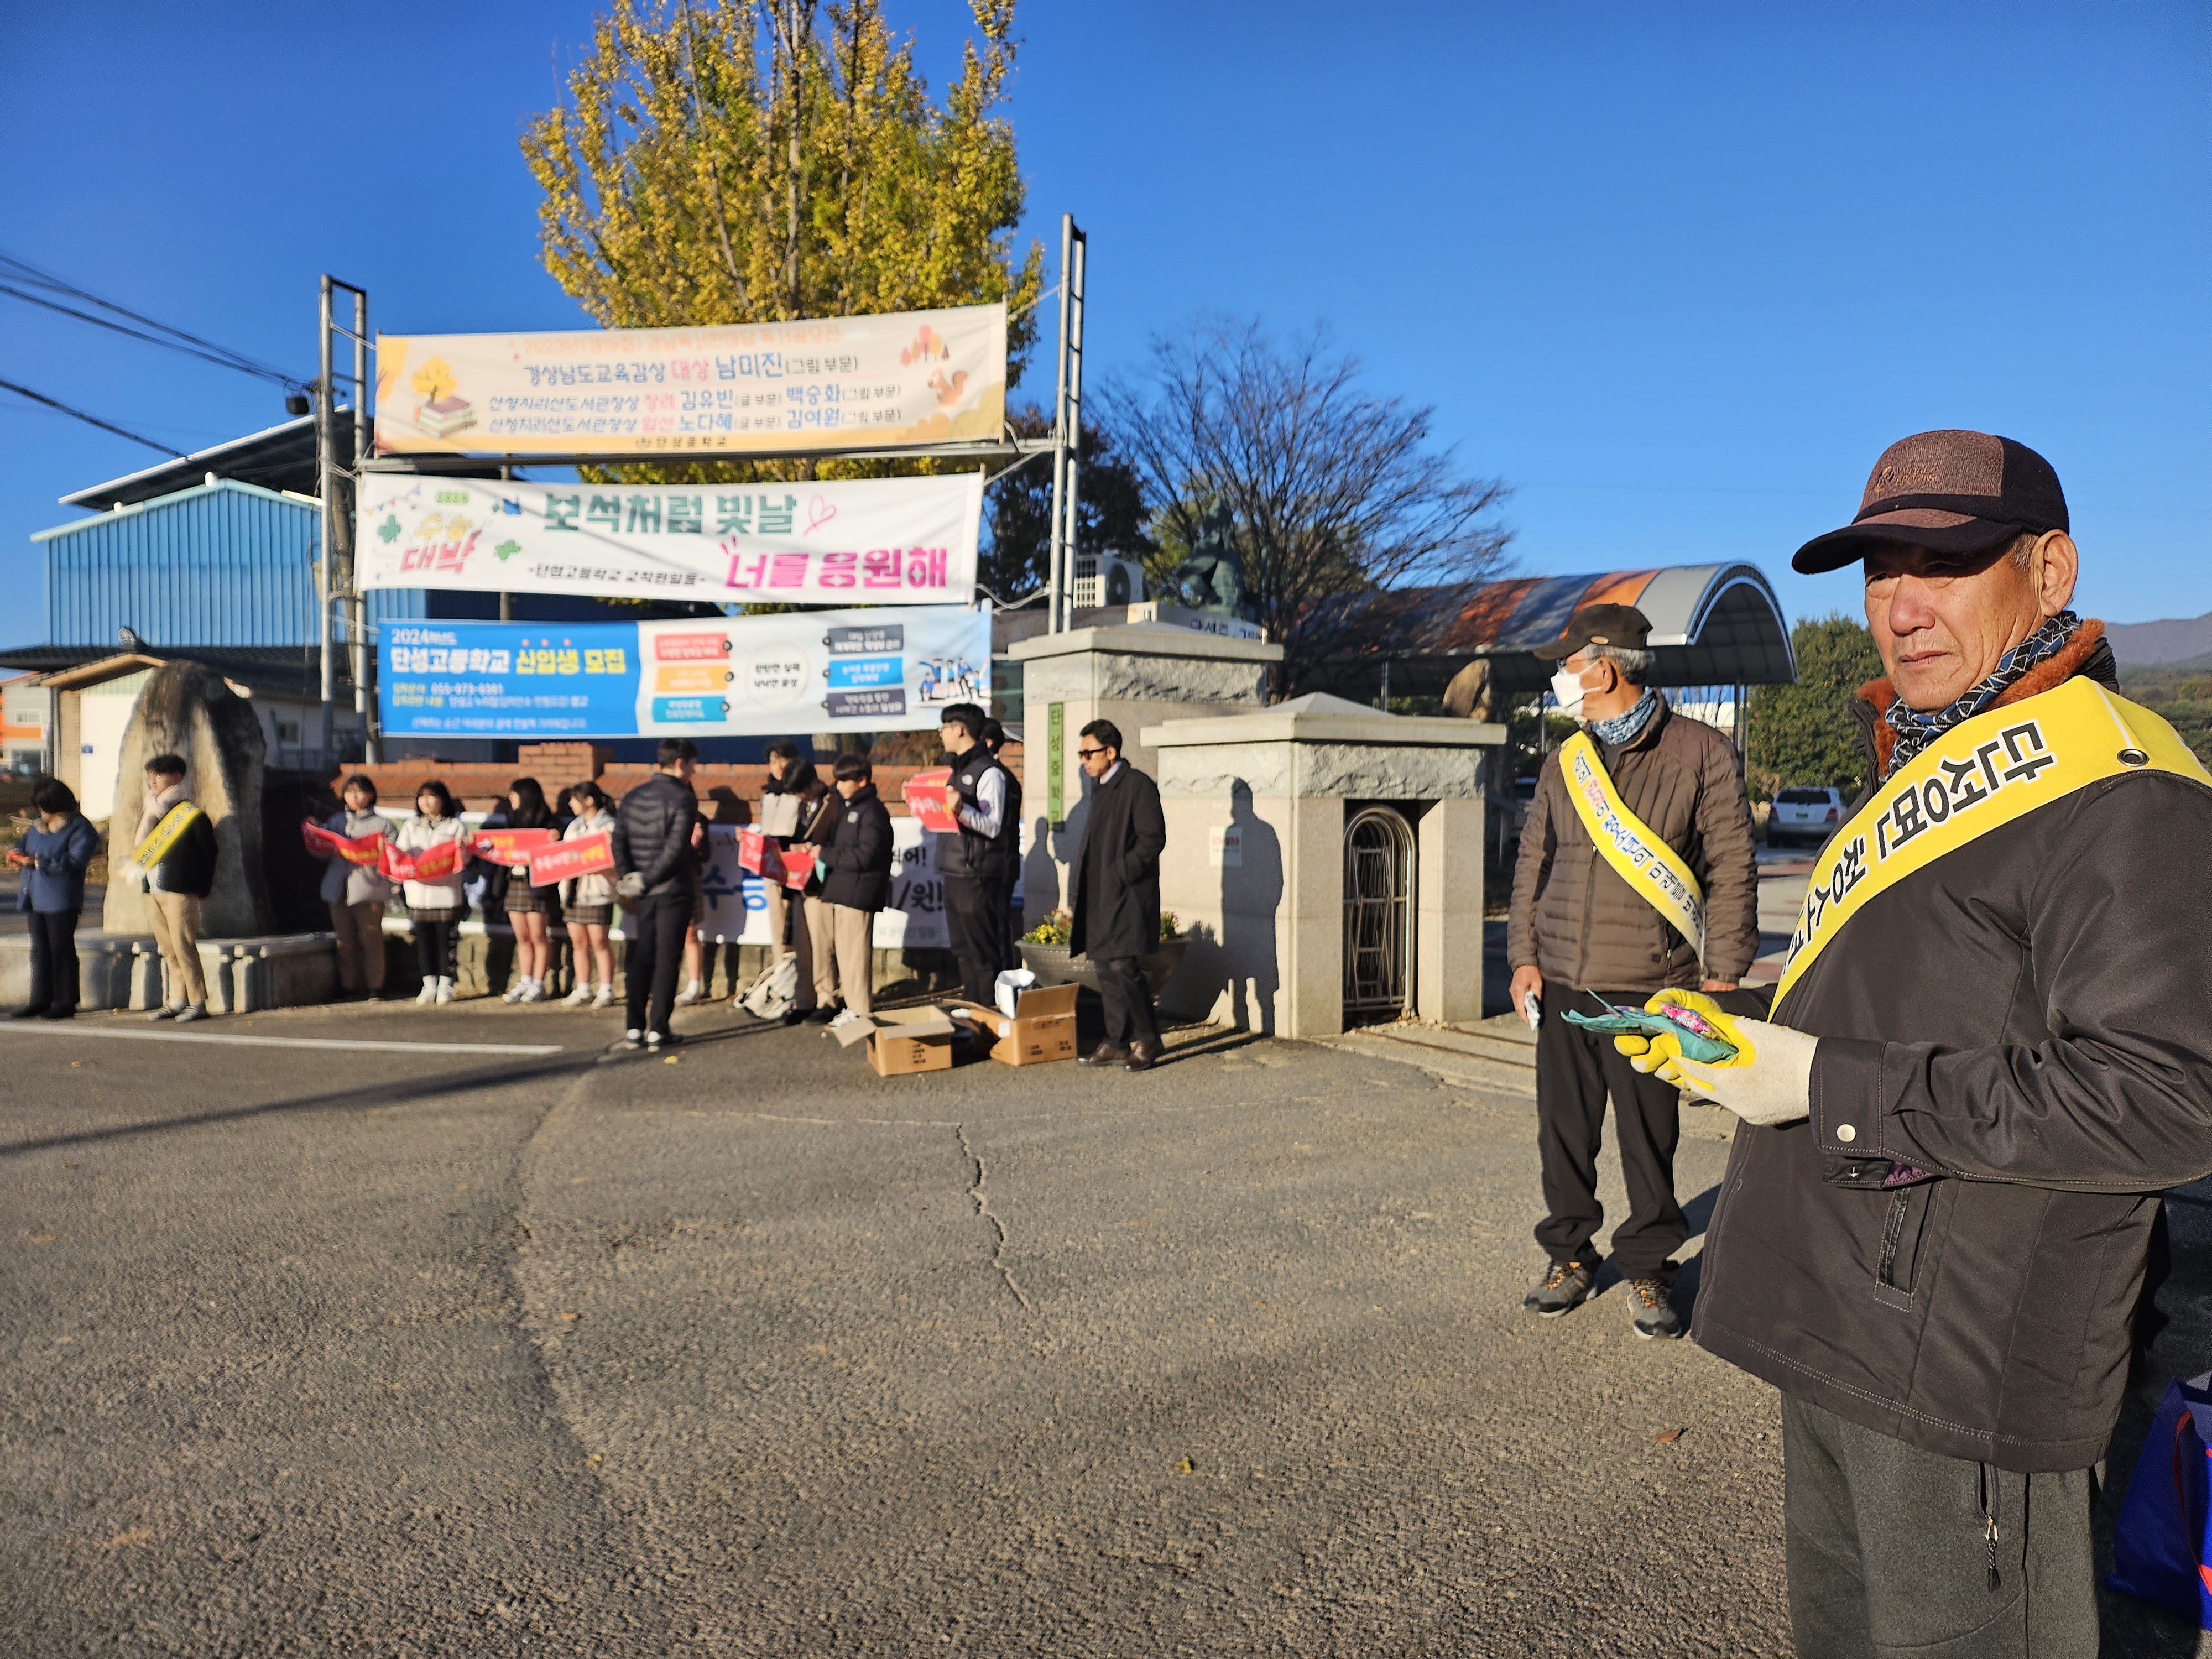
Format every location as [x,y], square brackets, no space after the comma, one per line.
[2138,645]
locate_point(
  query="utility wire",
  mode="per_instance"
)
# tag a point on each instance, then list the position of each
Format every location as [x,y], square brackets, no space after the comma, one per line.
[94,420]
[15,270]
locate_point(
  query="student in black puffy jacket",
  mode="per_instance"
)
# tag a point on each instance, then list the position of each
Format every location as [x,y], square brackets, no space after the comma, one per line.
[656,876]
[856,881]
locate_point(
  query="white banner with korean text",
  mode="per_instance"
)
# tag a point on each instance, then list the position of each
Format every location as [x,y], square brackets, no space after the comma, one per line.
[859,541]
[833,383]
[735,904]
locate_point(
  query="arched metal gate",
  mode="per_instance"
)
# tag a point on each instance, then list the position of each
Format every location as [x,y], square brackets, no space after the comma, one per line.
[1378,916]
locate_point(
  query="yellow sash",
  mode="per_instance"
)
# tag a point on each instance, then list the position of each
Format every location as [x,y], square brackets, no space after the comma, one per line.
[1629,845]
[156,847]
[1981,773]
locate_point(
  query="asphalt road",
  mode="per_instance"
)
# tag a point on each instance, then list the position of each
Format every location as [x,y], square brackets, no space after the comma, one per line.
[315,1350]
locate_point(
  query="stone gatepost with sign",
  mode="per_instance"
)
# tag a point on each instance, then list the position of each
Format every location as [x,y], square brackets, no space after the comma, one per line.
[1132,675]
[1329,858]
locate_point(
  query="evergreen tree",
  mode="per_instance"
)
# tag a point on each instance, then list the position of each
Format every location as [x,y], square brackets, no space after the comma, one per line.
[1802,733]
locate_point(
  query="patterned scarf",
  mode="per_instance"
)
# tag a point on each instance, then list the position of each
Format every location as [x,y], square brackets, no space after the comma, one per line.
[1916,731]
[1627,728]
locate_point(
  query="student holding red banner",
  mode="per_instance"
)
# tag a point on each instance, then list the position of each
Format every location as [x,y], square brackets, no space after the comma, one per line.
[587,901]
[354,888]
[430,849]
[529,909]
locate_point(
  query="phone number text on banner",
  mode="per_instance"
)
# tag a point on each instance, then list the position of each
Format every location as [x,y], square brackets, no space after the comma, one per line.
[814,670]
[865,541]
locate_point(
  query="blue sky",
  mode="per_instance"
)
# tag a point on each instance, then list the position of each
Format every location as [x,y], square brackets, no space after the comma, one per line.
[1677,274]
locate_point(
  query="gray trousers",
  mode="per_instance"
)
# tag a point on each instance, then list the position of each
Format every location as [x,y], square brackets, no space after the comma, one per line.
[1889,1551]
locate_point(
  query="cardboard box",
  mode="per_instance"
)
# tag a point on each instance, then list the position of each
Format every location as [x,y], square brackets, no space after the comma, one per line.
[910,1040]
[1041,1029]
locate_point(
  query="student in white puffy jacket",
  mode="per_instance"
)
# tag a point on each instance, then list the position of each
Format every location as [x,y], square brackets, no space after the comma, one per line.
[435,907]
[587,904]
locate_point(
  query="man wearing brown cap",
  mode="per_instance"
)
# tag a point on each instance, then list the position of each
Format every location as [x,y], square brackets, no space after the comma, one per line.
[1636,862]
[1987,1056]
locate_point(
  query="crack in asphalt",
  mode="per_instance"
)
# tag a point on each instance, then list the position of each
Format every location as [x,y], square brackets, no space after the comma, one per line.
[983,1210]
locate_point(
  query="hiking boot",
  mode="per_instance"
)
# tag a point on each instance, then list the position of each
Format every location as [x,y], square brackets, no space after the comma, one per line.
[1653,1301]
[1564,1289]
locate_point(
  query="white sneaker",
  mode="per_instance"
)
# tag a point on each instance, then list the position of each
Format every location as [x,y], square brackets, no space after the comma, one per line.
[516,992]
[186,1016]
[534,991]
[165,1013]
[690,994]
[577,998]
[605,998]
[445,990]
[429,992]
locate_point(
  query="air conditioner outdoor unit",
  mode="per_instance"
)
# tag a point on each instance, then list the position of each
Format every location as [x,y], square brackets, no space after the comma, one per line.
[1102,578]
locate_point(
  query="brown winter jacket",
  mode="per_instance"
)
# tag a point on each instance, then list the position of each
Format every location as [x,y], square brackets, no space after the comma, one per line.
[1578,922]
[2014,1060]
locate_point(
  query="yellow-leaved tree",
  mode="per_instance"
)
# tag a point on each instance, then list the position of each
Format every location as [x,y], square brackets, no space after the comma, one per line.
[763,160]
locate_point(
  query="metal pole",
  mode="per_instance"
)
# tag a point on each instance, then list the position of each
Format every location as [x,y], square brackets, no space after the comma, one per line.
[1074,310]
[1055,594]
[505,600]
[324,459]
[357,606]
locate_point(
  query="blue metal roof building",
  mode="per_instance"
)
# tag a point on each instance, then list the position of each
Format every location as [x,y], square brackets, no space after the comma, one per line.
[223,563]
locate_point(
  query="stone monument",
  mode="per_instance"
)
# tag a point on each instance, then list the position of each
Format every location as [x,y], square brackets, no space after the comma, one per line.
[187,708]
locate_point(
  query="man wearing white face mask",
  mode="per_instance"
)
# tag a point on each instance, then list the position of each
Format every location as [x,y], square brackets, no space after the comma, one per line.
[1636,875]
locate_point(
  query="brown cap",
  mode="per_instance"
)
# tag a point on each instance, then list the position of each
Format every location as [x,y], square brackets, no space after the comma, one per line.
[1950,492]
[1621,625]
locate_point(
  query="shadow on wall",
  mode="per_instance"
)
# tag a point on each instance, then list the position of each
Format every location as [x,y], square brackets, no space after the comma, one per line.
[1040,875]
[1251,902]
[1240,959]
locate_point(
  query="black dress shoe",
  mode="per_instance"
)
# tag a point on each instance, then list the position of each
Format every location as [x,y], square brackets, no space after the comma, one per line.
[27,1014]
[1143,1056]
[59,1013]
[1105,1054]
[793,1015]
[822,1015]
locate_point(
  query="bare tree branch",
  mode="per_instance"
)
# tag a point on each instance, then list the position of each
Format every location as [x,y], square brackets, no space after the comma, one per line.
[1332,489]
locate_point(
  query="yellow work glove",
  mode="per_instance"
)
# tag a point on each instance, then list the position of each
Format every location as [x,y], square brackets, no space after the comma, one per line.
[1768,1080]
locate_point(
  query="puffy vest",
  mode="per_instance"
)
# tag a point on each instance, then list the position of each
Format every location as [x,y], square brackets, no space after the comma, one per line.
[992,858]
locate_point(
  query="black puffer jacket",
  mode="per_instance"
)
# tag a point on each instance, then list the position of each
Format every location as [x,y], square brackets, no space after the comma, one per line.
[2023,1021]
[653,836]
[858,858]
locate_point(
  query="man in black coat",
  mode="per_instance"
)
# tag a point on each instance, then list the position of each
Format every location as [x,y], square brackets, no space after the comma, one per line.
[856,880]
[1117,896]
[658,878]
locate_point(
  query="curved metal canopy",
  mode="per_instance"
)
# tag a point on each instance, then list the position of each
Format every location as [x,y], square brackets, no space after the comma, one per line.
[1711,624]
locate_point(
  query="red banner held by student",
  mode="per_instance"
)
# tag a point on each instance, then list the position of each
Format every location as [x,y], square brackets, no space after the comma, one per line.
[587,855]
[510,847]
[797,866]
[432,864]
[323,844]
[929,797]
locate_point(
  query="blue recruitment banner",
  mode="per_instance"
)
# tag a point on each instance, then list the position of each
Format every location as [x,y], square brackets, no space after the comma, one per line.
[507,679]
[818,670]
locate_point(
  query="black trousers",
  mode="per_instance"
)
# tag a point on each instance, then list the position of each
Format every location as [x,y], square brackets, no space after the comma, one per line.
[1129,999]
[53,961]
[1889,1550]
[1575,1071]
[653,951]
[975,917]
[437,948]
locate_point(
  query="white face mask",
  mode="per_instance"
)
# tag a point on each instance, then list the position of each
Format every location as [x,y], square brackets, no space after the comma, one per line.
[1567,692]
